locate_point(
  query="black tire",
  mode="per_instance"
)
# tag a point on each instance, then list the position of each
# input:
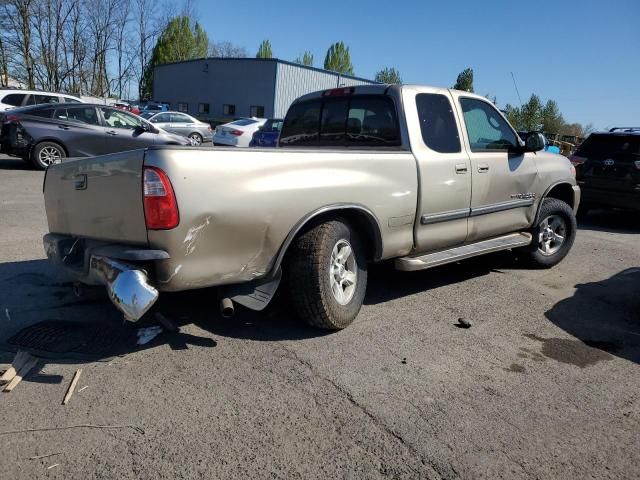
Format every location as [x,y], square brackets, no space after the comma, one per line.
[197,138]
[45,153]
[311,272]
[545,251]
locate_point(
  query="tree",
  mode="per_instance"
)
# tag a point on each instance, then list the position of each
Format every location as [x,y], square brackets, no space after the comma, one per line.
[226,49]
[338,59]
[178,42]
[389,75]
[306,59]
[265,50]
[465,80]
[531,114]
[552,120]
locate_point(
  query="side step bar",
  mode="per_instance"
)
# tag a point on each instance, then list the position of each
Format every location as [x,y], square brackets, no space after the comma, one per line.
[430,260]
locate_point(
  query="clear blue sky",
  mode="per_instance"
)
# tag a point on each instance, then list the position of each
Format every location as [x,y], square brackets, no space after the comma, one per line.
[583,54]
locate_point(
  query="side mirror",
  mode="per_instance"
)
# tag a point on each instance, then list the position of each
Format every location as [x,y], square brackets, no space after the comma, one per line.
[534,142]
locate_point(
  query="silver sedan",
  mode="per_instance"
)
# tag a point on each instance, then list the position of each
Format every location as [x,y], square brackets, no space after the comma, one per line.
[182,124]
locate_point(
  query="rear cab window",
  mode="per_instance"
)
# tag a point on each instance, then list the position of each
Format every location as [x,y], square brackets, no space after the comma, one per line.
[349,121]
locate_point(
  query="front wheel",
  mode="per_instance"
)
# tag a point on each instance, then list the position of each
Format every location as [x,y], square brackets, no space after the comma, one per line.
[553,235]
[327,275]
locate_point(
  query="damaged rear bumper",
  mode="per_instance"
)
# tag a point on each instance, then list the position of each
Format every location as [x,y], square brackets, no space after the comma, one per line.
[121,269]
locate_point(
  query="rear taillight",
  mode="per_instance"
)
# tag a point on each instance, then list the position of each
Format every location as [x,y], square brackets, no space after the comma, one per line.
[160,206]
[236,133]
[12,118]
[576,160]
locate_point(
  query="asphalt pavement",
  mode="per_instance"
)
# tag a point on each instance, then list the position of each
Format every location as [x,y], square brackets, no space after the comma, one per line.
[545,383]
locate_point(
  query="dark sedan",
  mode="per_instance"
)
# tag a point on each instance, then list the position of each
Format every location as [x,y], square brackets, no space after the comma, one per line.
[43,134]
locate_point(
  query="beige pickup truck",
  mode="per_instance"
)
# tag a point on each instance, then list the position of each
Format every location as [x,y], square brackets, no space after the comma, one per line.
[424,176]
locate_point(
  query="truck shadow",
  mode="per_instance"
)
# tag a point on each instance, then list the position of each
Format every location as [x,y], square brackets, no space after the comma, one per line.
[39,313]
[617,221]
[13,163]
[604,315]
[386,283]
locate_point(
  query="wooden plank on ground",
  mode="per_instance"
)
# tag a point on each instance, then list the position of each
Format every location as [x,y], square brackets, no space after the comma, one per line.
[22,372]
[72,387]
[17,362]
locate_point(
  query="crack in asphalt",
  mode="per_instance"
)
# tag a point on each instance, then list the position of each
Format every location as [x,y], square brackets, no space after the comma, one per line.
[434,469]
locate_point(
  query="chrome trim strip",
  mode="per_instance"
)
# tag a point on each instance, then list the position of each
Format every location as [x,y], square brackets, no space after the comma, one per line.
[499,207]
[444,216]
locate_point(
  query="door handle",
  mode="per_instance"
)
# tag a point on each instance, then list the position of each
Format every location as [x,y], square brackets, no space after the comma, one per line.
[461,168]
[112,133]
[483,168]
[63,127]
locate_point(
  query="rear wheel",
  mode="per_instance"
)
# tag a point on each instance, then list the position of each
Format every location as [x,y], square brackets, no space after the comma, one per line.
[46,153]
[554,234]
[327,275]
[196,138]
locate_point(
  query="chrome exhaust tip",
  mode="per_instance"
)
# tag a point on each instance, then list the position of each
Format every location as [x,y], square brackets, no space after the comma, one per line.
[127,285]
[132,295]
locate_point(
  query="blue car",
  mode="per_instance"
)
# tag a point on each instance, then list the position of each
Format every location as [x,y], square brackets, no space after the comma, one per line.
[267,135]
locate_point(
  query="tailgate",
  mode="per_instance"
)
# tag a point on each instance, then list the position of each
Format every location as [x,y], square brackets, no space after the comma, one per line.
[97,197]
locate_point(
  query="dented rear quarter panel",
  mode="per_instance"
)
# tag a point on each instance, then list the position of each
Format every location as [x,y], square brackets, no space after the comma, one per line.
[238,206]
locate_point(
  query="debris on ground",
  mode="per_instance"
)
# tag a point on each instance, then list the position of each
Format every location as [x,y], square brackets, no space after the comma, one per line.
[69,427]
[168,325]
[22,364]
[53,466]
[86,386]
[38,457]
[72,386]
[404,361]
[145,335]
[463,323]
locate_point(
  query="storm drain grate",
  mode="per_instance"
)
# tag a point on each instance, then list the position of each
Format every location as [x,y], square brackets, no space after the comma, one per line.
[80,339]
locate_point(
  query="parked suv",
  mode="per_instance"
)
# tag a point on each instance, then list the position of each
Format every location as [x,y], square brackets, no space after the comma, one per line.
[11,98]
[43,134]
[608,169]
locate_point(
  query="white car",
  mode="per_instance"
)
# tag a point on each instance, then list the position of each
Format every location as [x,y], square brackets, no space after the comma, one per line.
[237,133]
[12,98]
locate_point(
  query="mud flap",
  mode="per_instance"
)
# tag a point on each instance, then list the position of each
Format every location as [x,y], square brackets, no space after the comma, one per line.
[257,294]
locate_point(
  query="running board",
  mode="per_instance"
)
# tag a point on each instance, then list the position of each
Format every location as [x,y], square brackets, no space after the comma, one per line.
[430,260]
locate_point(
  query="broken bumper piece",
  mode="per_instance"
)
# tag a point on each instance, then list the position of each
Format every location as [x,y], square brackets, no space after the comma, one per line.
[128,286]
[118,267]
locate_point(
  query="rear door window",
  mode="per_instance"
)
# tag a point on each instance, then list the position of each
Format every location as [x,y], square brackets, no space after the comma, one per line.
[161,118]
[37,99]
[87,115]
[180,118]
[14,99]
[437,123]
